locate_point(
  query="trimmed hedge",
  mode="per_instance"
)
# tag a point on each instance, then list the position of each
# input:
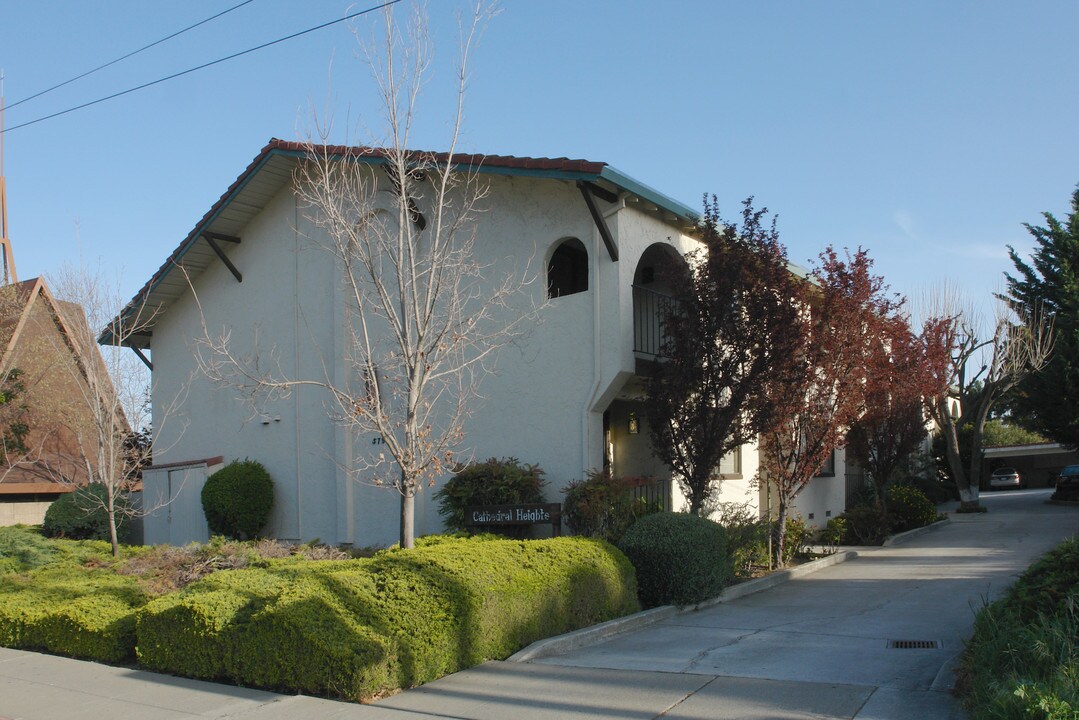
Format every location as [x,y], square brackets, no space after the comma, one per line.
[359,628]
[70,611]
[680,559]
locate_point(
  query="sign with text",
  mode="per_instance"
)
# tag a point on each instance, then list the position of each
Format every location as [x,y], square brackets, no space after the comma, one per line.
[525,514]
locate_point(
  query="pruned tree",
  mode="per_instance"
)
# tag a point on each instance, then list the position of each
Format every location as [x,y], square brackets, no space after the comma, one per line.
[426,314]
[730,330]
[102,412]
[983,367]
[904,368]
[1048,401]
[839,325]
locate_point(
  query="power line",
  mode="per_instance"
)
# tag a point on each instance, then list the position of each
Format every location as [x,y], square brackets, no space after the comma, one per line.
[133,52]
[203,66]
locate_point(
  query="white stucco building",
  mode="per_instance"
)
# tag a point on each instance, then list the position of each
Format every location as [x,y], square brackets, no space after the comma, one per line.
[564,399]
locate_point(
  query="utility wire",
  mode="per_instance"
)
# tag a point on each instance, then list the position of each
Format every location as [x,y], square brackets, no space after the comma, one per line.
[203,66]
[133,52]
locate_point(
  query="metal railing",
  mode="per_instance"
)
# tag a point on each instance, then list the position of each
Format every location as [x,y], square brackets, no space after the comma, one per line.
[656,493]
[649,308]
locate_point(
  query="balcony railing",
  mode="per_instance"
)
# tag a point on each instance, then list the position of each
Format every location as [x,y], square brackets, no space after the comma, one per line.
[649,307]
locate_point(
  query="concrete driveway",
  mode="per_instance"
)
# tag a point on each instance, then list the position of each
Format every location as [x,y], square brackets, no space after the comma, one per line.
[874,637]
[816,647]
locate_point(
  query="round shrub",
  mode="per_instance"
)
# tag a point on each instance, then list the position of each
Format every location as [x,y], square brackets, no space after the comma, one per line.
[504,481]
[680,559]
[237,499]
[603,505]
[908,508]
[81,515]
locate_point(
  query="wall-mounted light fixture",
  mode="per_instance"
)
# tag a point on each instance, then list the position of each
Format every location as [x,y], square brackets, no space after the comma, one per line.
[634,427]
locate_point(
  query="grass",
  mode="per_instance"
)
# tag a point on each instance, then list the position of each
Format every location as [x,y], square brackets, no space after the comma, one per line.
[1023,659]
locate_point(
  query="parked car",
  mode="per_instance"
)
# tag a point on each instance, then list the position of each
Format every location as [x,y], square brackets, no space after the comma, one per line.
[1068,484]
[1005,477]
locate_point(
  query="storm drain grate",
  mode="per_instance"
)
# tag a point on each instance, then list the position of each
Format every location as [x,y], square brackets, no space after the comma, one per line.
[914,644]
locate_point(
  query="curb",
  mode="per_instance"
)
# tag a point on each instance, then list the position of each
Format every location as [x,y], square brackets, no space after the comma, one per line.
[904,536]
[566,642]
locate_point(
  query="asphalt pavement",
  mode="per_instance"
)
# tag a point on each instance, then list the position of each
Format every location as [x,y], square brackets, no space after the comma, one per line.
[873,637]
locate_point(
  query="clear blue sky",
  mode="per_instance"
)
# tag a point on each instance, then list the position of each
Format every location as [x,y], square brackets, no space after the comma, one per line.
[926,131]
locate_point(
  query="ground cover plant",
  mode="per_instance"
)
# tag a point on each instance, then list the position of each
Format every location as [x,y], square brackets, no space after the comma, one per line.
[1023,659]
[305,618]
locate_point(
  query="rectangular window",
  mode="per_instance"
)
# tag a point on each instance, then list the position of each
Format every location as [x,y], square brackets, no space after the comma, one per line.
[829,466]
[731,464]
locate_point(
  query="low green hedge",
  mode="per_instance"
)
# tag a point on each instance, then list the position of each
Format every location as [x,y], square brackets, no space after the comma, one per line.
[680,559]
[79,612]
[359,628]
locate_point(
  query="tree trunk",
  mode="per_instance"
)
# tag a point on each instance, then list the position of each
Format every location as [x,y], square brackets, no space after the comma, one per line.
[111,509]
[697,498]
[779,534]
[408,513]
[975,477]
[968,498]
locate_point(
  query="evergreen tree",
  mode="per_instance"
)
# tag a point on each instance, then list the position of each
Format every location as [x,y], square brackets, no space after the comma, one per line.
[1048,402]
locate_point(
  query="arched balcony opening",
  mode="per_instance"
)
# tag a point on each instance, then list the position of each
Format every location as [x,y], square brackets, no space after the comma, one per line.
[652,292]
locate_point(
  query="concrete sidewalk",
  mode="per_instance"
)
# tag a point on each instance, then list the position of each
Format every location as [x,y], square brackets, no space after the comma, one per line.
[816,646]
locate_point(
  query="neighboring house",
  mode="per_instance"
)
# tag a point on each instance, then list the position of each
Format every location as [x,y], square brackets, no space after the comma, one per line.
[41,340]
[570,398]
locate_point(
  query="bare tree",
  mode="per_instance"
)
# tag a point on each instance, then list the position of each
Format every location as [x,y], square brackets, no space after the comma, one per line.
[104,412]
[426,315]
[984,366]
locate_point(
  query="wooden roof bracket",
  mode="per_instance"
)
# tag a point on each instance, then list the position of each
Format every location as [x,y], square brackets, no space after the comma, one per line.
[590,192]
[211,238]
[145,360]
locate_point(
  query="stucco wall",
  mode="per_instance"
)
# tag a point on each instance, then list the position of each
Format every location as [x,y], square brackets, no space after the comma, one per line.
[824,497]
[284,306]
[543,403]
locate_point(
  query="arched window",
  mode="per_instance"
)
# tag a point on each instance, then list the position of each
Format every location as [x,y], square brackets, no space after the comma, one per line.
[567,271]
